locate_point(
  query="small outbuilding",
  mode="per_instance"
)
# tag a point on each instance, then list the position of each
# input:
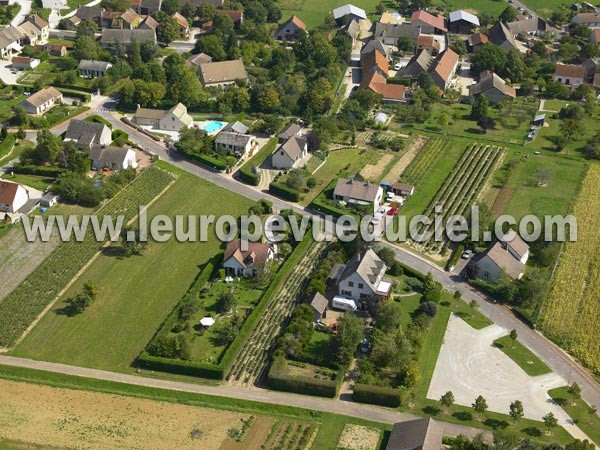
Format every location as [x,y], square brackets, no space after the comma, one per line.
[539,120]
[319,305]
[380,118]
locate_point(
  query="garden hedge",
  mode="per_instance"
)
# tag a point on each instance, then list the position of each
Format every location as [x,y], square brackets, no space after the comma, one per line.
[281,190]
[377,395]
[181,367]
[27,169]
[278,379]
[248,176]
[455,256]
[209,161]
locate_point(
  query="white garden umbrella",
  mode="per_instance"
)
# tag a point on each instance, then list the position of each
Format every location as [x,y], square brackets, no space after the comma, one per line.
[207,321]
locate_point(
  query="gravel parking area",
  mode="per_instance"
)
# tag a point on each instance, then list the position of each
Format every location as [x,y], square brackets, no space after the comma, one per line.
[470,365]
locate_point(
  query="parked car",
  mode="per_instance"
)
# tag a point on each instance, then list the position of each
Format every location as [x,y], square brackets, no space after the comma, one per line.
[520,8]
[398,66]
[364,346]
[393,210]
[466,254]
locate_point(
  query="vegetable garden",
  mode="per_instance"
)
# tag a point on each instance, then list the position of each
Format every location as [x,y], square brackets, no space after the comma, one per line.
[419,166]
[572,312]
[462,187]
[254,356]
[21,307]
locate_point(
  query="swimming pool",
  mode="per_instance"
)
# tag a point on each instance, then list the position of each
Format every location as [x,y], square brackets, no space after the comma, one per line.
[213,126]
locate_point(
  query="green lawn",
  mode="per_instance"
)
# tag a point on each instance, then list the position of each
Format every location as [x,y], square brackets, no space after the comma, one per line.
[39,183]
[7,101]
[313,12]
[526,360]
[135,294]
[564,176]
[586,417]
[491,7]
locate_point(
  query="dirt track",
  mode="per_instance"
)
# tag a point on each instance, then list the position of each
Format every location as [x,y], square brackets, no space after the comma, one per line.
[413,150]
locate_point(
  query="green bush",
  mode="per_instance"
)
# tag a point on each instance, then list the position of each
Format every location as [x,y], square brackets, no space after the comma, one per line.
[278,379]
[99,119]
[7,144]
[455,256]
[181,367]
[209,161]
[248,176]
[328,210]
[28,169]
[281,190]
[377,395]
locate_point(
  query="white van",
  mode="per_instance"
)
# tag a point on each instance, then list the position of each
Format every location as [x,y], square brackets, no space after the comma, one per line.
[343,303]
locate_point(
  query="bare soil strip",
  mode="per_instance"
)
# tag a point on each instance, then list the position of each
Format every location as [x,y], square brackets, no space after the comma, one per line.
[411,152]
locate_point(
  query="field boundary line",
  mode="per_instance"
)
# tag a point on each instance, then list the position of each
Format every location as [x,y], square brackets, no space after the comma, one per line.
[76,277]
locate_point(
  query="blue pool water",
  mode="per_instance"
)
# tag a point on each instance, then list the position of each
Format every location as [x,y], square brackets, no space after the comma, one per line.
[213,126]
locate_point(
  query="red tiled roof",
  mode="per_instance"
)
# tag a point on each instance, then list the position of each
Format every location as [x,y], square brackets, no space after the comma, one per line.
[236,16]
[569,70]
[596,82]
[8,192]
[296,21]
[377,83]
[375,59]
[181,21]
[446,64]
[435,21]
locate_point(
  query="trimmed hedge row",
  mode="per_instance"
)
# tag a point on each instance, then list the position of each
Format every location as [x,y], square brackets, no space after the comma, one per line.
[74,87]
[454,258]
[377,395]
[410,271]
[281,381]
[80,95]
[281,190]
[26,169]
[209,161]
[328,210]
[248,176]
[98,119]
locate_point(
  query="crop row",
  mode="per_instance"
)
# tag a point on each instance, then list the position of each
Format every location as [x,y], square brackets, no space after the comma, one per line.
[20,308]
[423,161]
[254,356]
[572,312]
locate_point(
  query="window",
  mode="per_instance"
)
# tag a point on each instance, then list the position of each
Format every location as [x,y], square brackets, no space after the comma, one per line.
[360,285]
[347,293]
[351,283]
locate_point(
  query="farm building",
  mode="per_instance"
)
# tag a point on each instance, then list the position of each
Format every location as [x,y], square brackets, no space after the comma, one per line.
[349,12]
[245,258]
[287,30]
[113,158]
[428,23]
[462,22]
[476,41]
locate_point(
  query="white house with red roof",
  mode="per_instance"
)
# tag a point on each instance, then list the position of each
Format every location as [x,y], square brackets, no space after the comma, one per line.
[13,196]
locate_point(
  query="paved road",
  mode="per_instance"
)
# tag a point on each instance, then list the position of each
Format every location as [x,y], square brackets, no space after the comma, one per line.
[23,12]
[369,412]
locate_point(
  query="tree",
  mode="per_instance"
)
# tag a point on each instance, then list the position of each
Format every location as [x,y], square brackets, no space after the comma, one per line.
[212,45]
[571,129]
[226,302]
[447,400]
[206,12]
[486,123]
[429,308]
[550,421]
[170,7]
[388,316]
[168,30]
[311,183]
[575,390]
[115,5]
[20,134]
[405,44]
[489,57]
[349,335]
[47,148]
[480,406]
[4,132]
[508,15]
[513,335]
[19,116]
[131,243]
[84,299]
[480,107]
[516,410]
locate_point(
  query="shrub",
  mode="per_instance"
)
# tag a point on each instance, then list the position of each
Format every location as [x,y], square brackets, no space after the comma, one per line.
[248,176]
[283,191]
[377,395]
[455,256]
[278,379]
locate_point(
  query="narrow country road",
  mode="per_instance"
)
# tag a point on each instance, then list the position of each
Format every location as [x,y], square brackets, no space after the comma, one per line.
[368,412]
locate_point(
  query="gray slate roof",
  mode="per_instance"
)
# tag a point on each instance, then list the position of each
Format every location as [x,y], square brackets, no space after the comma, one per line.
[422,434]
[395,30]
[293,147]
[289,130]
[9,35]
[374,44]
[369,267]
[236,127]
[89,13]
[110,155]
[358,190]
[319,303]
[232,138]
[89,64]
[126,37]
[84,132]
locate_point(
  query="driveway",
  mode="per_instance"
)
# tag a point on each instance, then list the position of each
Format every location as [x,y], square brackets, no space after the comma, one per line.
[23,12]
[470,365]
[6,74]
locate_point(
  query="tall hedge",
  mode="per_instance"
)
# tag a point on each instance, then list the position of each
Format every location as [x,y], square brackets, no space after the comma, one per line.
[377,395]
[212,163]
[281,190]
[248,176]
[279,379]
[26,169]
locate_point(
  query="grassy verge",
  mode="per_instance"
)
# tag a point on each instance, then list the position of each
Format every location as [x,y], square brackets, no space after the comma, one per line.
[259,157]
[326,438]
[39,183]
[531,364]
[582,414]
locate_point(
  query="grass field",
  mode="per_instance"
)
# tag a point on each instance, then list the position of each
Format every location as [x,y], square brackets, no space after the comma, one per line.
[482,6]
[313,12]
[39,183]
[134,294]
[571,312]
[583,414]
[531,364]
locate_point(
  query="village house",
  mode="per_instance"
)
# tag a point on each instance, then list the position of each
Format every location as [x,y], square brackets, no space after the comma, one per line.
[444,69]
[42,101]
[35,30]
[419,63]
[358,193]
[91,13]
[246,262]
[24,62]
[424,434]
[11,42]
[428,23]
[375,44]
[13,196]
[571,75]
[85,134]
[173,119]
[112,158]
[476,41]
[93,69]
[428,42]
[289,131]
[376,82]
[146,7]
[591,20]
[289,154]
[507,256]
[239,143]
[53,49]
[222,73]
[124,38]
[183,25]
[493,87]
[196,60]
[403,189]
[363,278]
[149,23]
[287,30]
[388,33]
[236,127]
[501,36]
[462,22]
